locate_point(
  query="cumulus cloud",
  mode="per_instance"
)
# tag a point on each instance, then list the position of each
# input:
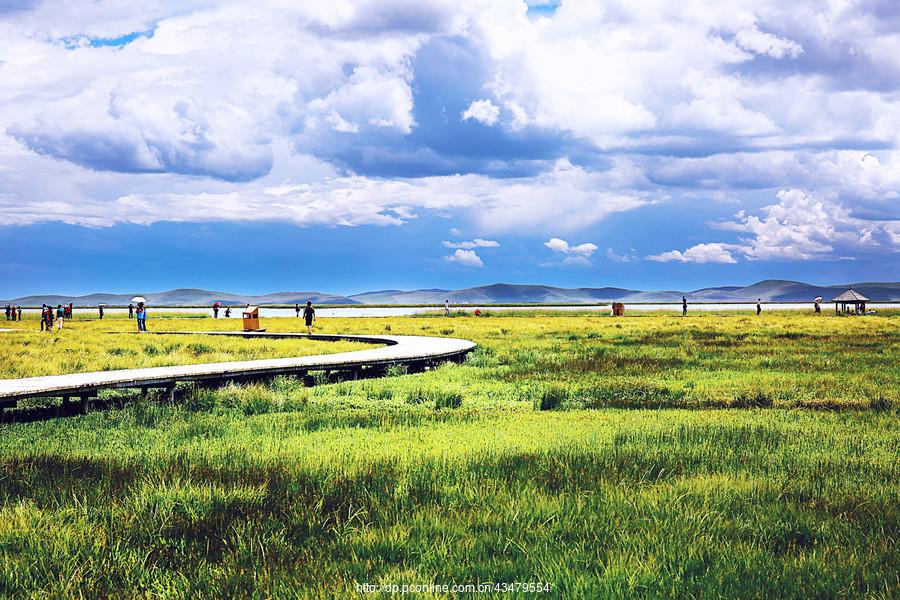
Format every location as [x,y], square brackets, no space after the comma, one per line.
[467,258]
[578,255]
[701,253]
[476,243]
[189,111]
[559,245]
[483,111]
[761,42]
[800,226]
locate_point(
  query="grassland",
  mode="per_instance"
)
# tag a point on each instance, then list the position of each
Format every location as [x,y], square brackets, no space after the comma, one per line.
[713,456]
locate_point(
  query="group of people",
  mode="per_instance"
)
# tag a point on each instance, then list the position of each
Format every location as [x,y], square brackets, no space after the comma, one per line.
[59,315]
[216,307]
[13,313]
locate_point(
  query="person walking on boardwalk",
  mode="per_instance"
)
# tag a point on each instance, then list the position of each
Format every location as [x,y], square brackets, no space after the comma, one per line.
[684,306]
[758,306]
[309,315]
[60,316]
[130,311]
[141,317]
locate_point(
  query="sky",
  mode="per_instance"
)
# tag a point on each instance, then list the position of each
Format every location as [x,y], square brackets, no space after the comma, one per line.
[347,146]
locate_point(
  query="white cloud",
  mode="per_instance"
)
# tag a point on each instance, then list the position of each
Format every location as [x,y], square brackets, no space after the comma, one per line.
[701,253]
[621,258]
[483,111]
[467,258]
[559,245]
[476,243]
[578,255]
[760,42]
[801,226]
[805,226]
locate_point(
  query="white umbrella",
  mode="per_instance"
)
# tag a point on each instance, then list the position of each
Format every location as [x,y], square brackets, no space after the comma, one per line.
[818,299]
[102,304]
[139,299]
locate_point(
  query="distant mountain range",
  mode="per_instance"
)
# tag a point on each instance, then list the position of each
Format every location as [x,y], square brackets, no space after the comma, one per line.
[499,293]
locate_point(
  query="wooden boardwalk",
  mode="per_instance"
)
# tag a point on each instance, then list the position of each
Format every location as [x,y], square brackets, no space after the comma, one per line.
[414,351]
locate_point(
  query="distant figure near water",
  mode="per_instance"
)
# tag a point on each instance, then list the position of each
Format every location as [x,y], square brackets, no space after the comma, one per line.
[131,311]
[818,308]
[227,312]
[100,308]
[60,316]
[684,306]
[446,308]
[297,310]
[309,315]
[758,306]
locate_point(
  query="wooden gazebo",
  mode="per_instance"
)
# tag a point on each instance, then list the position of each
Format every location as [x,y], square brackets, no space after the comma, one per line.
[850,298]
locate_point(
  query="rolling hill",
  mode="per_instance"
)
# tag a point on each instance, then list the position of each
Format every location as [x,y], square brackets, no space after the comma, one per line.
[770,290]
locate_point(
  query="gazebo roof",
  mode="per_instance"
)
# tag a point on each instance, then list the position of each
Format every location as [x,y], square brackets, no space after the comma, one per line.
[851,296]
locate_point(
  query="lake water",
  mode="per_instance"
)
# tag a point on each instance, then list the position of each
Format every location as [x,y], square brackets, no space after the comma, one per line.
[398,311]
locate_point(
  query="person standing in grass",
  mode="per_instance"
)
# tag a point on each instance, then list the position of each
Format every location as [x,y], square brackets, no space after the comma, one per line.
[100,308]
[43,316]
[758,306]
[447,308]
[8,311]
[309,315]
[684,306]
[227,312]
[141,317]
[297,310]
[19,310]
[48,311]
[60,316]
[130,311]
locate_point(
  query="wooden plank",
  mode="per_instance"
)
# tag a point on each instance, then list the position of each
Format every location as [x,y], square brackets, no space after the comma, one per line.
[395,349]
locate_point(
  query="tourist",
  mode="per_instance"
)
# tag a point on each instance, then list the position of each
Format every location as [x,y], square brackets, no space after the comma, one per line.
[8,312]
[818,308]
[309,315]
[296,310]
[758,306]
[48,317]
[68,311]
[130,311]
[446,308]
[60,316]
[477,312]
[684,306]
[227,312]
[19,310]
[141,317]
[100,309]
[216,310]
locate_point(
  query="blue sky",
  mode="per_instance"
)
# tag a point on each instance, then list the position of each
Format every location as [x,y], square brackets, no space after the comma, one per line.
[351,146]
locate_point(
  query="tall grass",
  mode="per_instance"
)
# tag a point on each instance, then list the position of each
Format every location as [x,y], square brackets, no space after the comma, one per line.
[638,457]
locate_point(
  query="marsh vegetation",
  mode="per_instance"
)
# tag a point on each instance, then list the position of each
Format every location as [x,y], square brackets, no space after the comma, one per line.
[727,456]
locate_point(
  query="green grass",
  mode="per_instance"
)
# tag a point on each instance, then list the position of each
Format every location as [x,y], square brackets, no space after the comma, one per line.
[714,456]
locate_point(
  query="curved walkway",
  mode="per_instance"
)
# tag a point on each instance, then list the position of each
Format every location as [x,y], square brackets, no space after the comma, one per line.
[397,350]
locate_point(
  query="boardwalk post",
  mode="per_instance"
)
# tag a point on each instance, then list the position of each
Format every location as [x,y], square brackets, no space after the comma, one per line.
[170,393]
[85,403]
